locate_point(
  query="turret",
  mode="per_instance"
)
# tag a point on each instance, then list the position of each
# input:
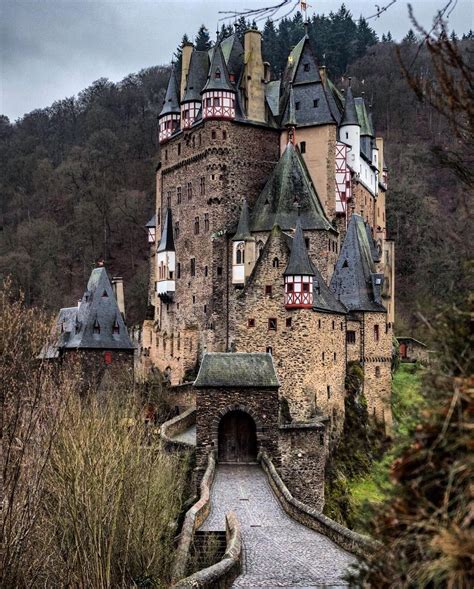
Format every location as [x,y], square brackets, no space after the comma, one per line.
[169,116]
[299,274]
[243,249]
[218,95]
[349,131]
[196,78]
[166,261]
[151,230]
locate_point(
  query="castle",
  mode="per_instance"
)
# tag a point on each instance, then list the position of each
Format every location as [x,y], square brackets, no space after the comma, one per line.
[270,266]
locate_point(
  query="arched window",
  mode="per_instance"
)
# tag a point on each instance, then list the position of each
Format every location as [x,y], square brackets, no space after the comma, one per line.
[116,328]
[240,254]
[218,74]
[276,262]
[260,245]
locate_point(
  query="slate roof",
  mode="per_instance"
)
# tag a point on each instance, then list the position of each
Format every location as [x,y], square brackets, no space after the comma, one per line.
[167,239]
[237,370]
[289,185]
[171,103]
[408,339]
[272,94]
[373,248]
[218,65]
[289,119]
[355,277]
[335,101]
[152,222]
[243,230]
[350,114]
[233,52]
[323,298]
[197,76]
[98,306]
[299,263]
[363,117]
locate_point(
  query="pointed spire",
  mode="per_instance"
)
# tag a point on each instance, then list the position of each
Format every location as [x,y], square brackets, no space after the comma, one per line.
[290,113]
[299,263]
[350,115]
[171,103]
[197,76]
[167,240]
[218,78]
[243,230]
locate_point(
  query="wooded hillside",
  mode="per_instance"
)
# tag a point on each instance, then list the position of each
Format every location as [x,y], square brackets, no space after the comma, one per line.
[77,179]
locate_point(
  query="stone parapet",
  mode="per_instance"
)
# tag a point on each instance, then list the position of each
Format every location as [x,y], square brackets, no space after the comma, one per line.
[223,573]
[343,537]
[175,426]
[194,518]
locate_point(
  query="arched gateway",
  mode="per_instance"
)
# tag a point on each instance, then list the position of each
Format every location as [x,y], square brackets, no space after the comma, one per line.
[237,438]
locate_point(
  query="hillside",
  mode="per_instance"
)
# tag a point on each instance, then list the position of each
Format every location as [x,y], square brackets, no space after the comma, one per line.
[77,178]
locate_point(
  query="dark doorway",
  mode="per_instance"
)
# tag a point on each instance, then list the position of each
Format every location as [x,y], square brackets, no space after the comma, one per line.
[237,438]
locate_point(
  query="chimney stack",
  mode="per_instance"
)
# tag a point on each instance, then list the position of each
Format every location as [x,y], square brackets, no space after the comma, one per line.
[117,285]
[254,76]
[185,61]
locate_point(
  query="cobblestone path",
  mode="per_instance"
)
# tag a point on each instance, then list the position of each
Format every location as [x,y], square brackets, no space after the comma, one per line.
[188,436]
[278,552]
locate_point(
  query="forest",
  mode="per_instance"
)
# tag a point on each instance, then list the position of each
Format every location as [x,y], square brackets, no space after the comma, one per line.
[77,179]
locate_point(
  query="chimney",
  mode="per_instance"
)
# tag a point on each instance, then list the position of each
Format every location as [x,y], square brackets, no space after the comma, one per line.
[267,71]
[185,61]
[323,74]
[117,285]
[254,76]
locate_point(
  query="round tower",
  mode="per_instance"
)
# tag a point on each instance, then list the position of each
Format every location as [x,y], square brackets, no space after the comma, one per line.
[218,95]
[170,115]
[299,274]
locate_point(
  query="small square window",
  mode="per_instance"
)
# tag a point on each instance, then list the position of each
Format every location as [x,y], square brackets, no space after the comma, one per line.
[272,323]
[269,350]
[288,321]
[306,67]
[316,102]
[305,286]
[351,337]
[213,135]
[219,271]
[303,147]
[268,290]
[297,105]
[251,323]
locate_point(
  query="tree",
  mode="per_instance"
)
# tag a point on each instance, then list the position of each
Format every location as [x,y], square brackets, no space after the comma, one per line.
[203,40]
[410,38]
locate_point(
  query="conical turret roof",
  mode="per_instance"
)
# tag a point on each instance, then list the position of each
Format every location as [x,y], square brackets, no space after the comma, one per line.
[171,103]
[218,78]
[167,240]
[197,76]
[288,189]
[350,114]
[243,228]
[299,263]
[289,119]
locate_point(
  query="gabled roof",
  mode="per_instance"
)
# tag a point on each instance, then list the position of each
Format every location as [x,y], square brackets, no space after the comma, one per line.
[233,53]
[218,77]
[237,370]
[197,76]
[98,307]
[299,263]
[272,94]
[354,281]
[289,188]
[171,103]
[243,230]
[167,240]
[363,117]
[350,114]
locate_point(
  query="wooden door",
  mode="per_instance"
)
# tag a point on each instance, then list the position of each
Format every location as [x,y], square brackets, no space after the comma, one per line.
[237,438]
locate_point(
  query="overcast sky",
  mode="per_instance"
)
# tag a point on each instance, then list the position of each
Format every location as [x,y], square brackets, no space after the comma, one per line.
[51,49]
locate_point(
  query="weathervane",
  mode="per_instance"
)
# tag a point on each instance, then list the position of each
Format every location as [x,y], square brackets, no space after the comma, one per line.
[304,9]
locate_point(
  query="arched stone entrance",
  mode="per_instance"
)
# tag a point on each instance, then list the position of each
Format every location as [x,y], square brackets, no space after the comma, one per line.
[237,437]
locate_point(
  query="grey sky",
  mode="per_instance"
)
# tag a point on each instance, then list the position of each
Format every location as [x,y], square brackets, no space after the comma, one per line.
[51,49]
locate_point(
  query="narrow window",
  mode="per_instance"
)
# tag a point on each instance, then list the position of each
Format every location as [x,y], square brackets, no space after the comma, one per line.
[193,266]
[96,328]
[219,271]
[351,337]
[272,323]
[196,225]
[206,222]
[218,74]
[224,135]
[190,190]
[206,271]
[116,328]
[158,217]
[335,356]
[276,262]
[303,147]
[329,391]
[377,371]
[290,287]
[202,185]
[179,193]
[347,135]
[306,241]
[217,101]
[319,323]
[269,350]
[297,105]
[305,286]
[213,135]
[376,333]
[268,290]
[166,155]
[333,324]
[178,270]
[205,308]
[288,321]
[322,356]
[194,299]
[306,67]
[176,229]
[168,199]
[251,323]
[316,102]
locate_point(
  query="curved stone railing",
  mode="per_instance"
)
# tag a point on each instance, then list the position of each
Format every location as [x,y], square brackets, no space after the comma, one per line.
[343,537]
[223,573]
[175,426]
[194,518]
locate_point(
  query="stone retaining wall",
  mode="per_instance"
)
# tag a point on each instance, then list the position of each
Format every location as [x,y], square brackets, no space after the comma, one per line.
[178,425]
[222,574]
[343,537]
[194,519]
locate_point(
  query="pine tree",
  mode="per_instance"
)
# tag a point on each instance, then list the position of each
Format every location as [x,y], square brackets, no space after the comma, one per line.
[178,54]
[389,37]
[365,37]
[203,40]
[410,38]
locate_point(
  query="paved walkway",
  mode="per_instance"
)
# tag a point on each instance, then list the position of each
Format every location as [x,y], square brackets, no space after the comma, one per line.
[188,436]
[278,552]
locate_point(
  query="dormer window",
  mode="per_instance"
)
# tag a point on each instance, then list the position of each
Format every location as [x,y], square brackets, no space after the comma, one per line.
[116,328]
[316,102]
[306,67]
[217,75]
[96,328]
[297,105]
[104,294]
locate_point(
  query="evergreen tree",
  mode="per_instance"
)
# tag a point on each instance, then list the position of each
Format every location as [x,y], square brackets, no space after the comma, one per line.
[178,54]
[270,44]
[365,37]
[389,37]
[203,40]
[410,38]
